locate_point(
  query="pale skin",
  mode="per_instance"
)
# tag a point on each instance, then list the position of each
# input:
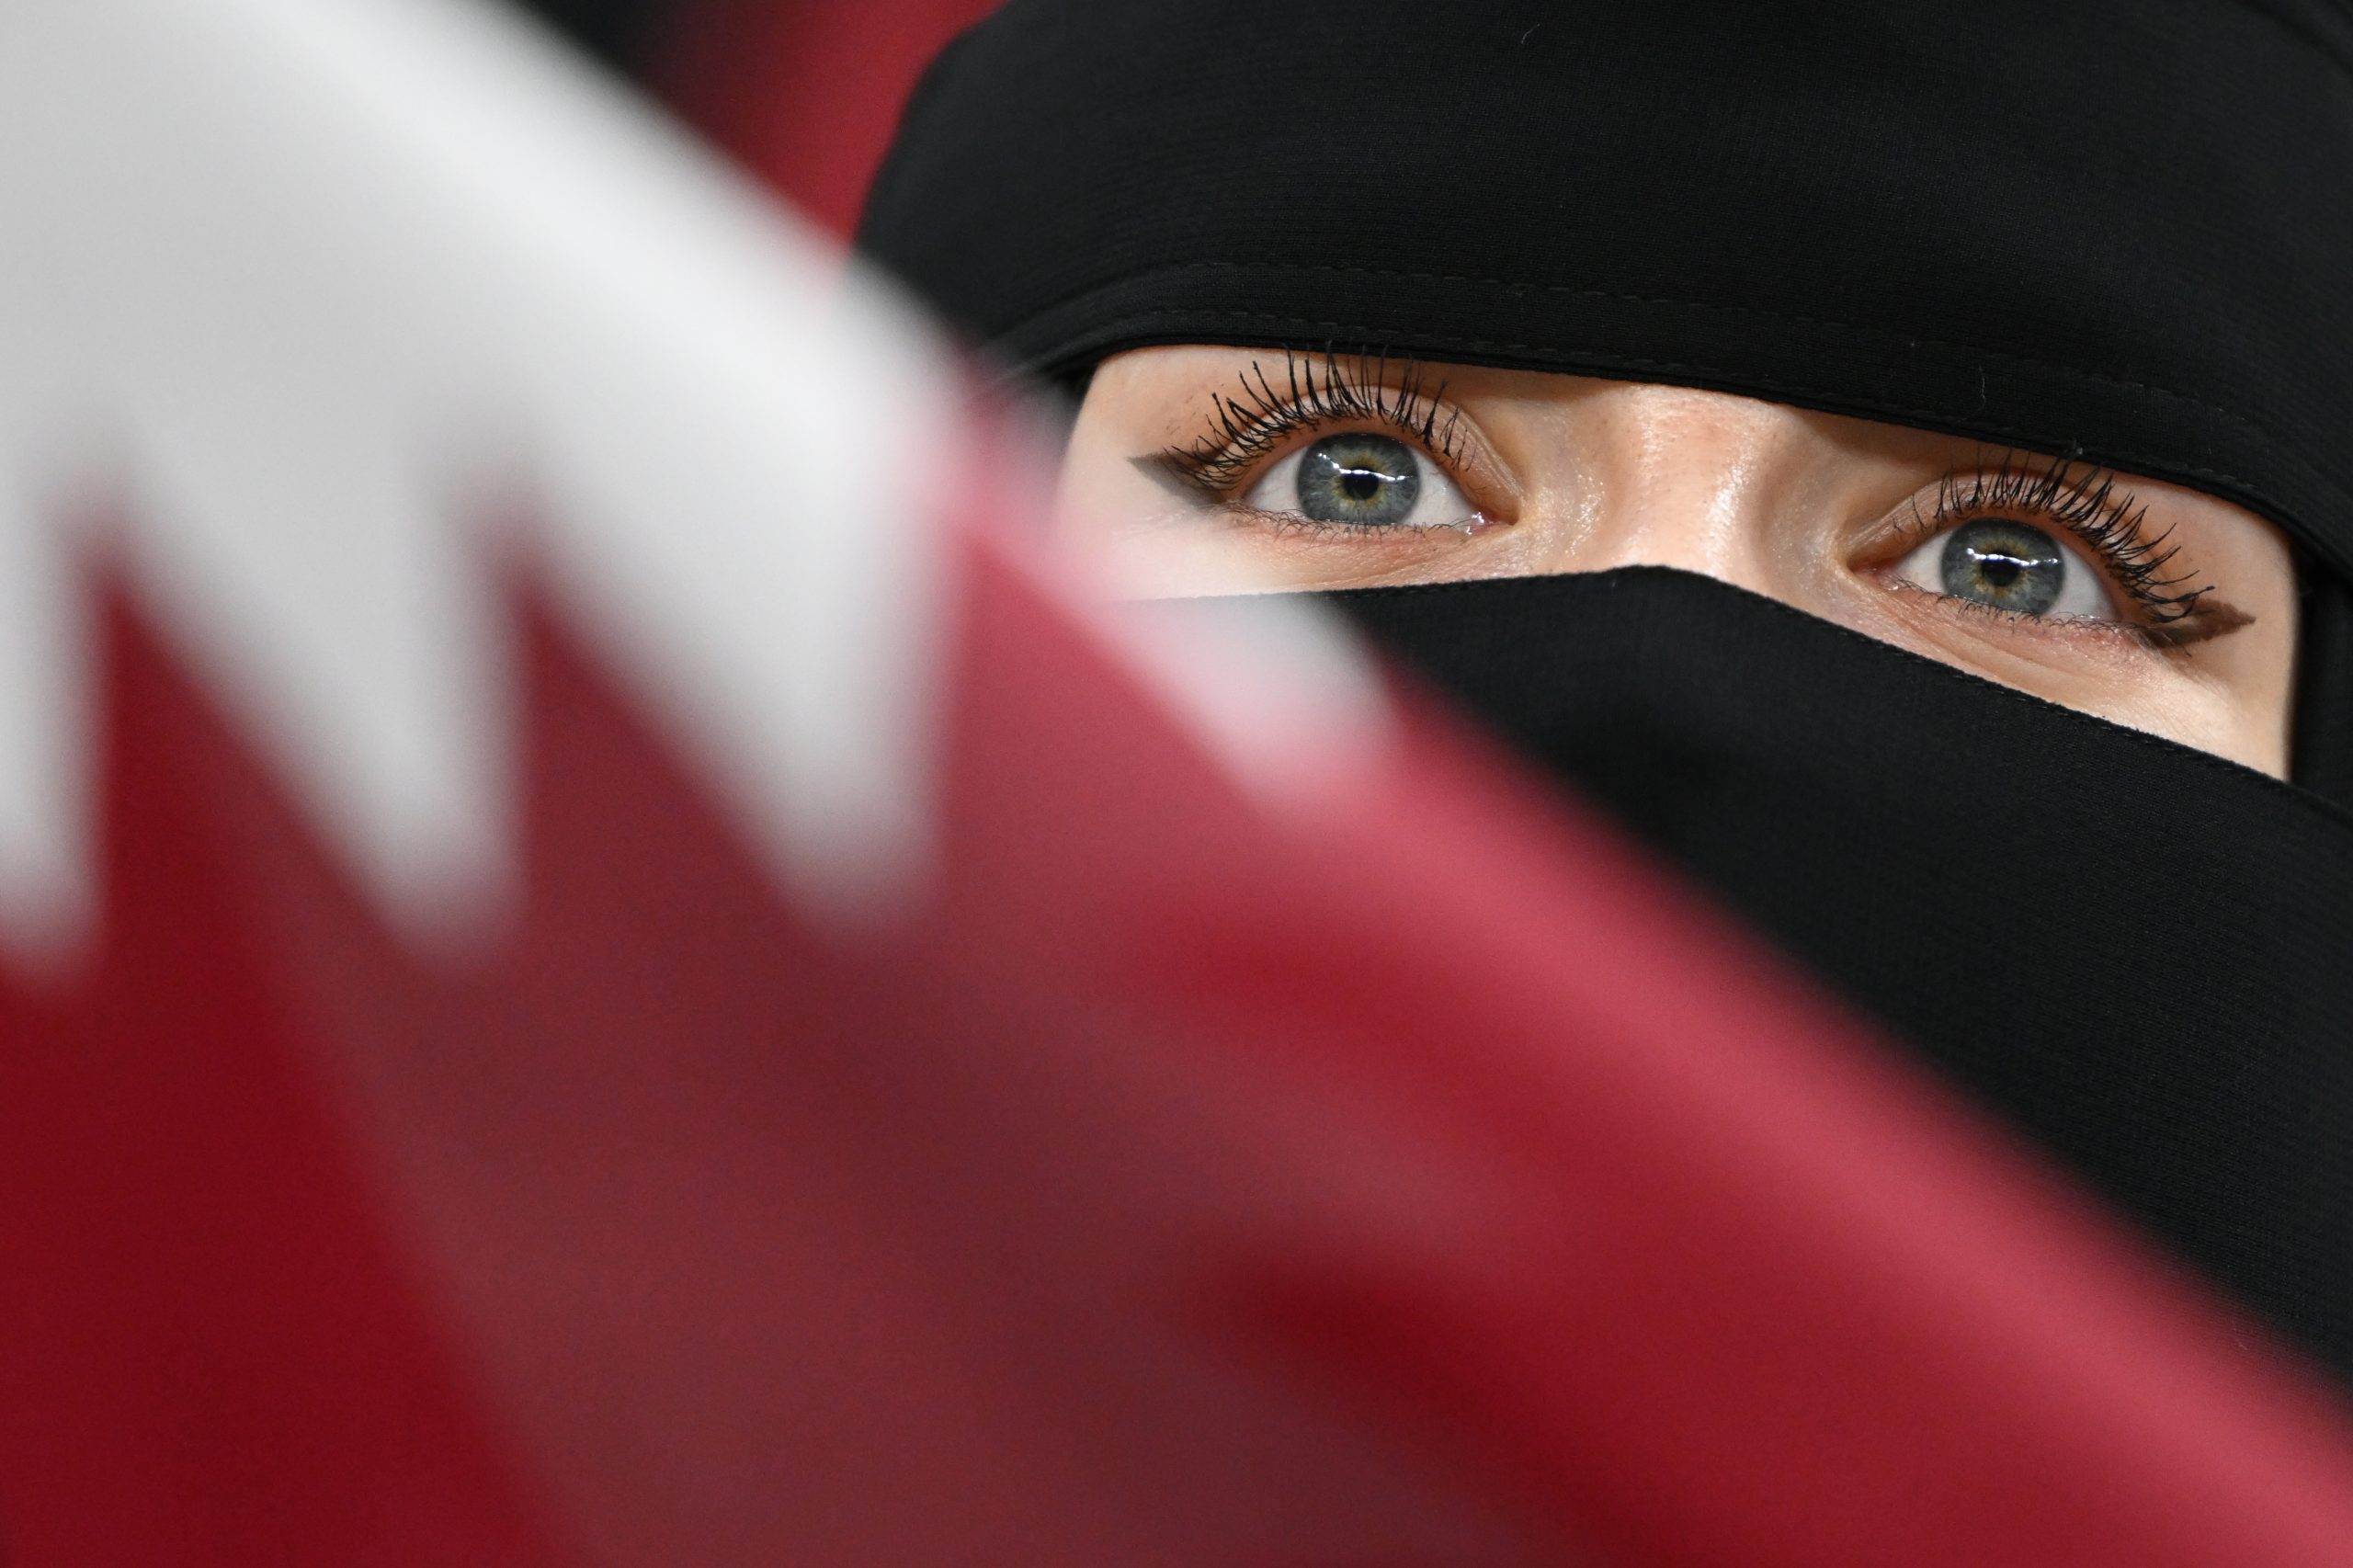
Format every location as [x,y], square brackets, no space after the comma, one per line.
[1521,473]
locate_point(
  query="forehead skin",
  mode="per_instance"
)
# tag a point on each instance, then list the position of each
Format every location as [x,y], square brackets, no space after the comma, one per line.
[1584,474]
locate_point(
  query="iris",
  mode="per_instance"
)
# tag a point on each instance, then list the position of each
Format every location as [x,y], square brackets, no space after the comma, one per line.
[1361,479]
[2008,565]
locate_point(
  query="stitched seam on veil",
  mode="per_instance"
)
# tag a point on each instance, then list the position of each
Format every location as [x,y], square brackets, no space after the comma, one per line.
[1881,334]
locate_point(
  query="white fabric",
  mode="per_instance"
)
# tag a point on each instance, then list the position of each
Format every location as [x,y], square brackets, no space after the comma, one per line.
[307,292]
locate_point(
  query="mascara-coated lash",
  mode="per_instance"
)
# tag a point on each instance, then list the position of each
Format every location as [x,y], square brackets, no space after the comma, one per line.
[1314,394]
[2086,501]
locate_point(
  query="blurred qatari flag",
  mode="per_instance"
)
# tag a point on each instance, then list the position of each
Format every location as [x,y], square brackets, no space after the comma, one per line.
[602,966]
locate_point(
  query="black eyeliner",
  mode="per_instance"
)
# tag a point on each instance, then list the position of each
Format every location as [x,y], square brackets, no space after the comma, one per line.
[1313,394]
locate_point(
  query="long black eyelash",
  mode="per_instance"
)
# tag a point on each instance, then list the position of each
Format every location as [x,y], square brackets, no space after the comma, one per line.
[1314,392]
[2084,500]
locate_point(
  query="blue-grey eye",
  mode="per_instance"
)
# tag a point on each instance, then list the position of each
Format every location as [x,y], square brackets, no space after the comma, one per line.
[1362,479]
[2012,566]
[2008,565]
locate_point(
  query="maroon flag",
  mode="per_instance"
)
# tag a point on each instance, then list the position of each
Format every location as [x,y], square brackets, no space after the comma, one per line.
[805,93]
[603,966]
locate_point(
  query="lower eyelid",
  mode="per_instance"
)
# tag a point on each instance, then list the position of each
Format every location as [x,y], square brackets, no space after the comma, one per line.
[2081,632]
[1298,524]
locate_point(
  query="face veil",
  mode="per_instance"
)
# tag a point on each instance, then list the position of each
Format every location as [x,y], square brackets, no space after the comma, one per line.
[2107,231]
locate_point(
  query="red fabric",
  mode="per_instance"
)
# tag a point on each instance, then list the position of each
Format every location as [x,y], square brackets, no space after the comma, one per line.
[807,93]
[215,1344]
[1401,1177]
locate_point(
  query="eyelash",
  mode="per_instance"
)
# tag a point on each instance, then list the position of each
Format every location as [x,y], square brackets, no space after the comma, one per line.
[1359,391]
[2083,501]
[2078,497]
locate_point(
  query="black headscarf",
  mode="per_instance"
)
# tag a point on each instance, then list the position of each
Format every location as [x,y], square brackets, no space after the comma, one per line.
[2114,230]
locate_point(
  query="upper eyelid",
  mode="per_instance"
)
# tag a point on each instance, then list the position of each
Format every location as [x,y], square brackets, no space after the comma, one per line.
[2076,495]
[1339,388]
[2105,520]
[1277,426]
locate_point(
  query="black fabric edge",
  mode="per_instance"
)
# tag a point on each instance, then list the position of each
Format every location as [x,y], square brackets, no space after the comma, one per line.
[2327,810]
[2322,720]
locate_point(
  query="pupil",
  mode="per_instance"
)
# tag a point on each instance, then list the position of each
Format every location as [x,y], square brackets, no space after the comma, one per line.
[2007,565]
[1364,480]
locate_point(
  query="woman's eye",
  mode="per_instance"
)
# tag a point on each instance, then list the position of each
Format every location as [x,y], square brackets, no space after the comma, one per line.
[1361,481]
[2008,565]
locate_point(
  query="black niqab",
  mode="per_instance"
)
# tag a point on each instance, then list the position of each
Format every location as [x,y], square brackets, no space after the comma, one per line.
[2113,230]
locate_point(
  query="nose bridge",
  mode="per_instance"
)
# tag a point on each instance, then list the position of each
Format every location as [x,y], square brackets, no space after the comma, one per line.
[1683,479]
